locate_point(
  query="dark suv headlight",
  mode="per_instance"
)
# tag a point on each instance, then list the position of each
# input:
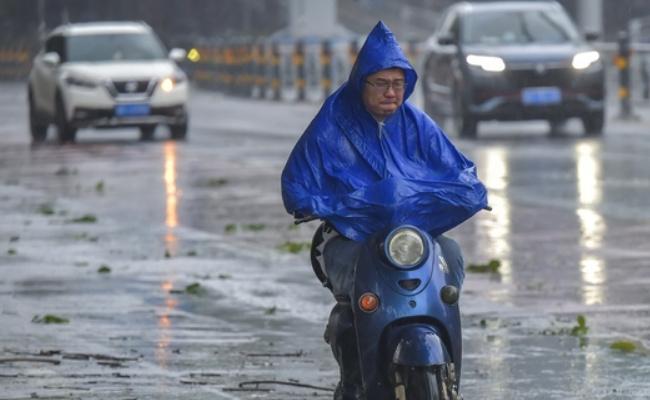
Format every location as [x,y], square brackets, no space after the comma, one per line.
[486,63]
[585,59]
[405,247]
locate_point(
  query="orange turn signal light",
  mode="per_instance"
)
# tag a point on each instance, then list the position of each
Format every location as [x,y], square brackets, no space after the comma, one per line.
[368,302]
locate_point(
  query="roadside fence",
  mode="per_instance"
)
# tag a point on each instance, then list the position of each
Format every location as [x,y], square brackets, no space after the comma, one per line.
[15,61]
[288,69]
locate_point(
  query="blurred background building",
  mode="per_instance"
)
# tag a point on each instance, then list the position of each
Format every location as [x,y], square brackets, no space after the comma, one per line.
[229,38]
[177,20]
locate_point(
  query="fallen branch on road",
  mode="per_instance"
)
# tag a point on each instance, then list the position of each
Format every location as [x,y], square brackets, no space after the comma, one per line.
[243,385]
[29,359]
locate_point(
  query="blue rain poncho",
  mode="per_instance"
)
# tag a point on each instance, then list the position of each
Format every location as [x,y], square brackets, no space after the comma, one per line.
[362,175]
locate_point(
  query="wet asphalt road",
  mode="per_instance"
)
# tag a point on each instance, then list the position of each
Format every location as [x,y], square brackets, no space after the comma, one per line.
[570,226]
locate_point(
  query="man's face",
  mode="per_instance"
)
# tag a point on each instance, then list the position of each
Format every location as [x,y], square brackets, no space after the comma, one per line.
[380,97]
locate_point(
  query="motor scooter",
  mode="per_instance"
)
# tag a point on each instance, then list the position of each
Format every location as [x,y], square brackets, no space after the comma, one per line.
[406,316]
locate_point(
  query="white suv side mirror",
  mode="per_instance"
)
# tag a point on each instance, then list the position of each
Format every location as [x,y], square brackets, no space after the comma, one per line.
[177,54]
[51,59]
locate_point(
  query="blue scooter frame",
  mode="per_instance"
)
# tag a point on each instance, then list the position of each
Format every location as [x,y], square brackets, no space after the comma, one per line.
[416,324]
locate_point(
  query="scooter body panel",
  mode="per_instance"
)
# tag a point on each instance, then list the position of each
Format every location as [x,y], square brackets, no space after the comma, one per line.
[417,345]
[413,327]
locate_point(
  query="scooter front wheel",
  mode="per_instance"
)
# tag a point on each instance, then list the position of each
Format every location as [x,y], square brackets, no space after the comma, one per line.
[421,383]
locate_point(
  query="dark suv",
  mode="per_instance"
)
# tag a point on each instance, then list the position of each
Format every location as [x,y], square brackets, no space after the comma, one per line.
[512,61]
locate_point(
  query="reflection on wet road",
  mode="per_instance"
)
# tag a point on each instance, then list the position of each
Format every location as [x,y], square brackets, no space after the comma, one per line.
[566,227]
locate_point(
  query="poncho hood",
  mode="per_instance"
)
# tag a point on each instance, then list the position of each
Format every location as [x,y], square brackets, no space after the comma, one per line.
[381,50]
[362,175]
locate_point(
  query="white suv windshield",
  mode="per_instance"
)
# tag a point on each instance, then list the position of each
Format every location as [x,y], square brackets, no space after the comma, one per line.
[113,47]
[517,27]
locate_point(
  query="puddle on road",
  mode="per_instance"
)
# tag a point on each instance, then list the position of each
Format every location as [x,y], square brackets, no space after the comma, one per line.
[535,356]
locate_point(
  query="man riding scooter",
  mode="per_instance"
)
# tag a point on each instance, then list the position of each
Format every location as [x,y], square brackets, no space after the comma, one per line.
[368,160]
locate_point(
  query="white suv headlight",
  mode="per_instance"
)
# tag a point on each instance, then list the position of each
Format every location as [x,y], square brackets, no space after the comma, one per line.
[585,60]
[168,84]
[405,247]
[79,82]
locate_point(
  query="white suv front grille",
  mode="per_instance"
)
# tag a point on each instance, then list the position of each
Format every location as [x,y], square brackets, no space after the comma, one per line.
[131,88]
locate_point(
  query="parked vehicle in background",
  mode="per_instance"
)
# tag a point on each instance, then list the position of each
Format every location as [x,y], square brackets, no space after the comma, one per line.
[512,61]
[106,75]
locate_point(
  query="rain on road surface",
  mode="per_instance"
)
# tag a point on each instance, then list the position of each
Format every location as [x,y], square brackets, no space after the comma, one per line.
[570,227]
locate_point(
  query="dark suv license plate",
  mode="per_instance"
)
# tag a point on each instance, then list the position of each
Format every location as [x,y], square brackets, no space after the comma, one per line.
[132,110]
[541,96]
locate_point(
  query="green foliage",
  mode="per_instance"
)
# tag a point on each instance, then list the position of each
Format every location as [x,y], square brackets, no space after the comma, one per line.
[272,310]
[86,236]
[581,329]
[49,319]
[195,289]
[11,252]
[86,219]
[491,267]
[215,182]
[623,346]
[232,228]
[65,171]
[294,247]
[99,187]
[46,209]
[14,238]
[104,269]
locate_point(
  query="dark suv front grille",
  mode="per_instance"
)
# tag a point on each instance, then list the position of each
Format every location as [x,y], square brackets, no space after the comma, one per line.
[523,78]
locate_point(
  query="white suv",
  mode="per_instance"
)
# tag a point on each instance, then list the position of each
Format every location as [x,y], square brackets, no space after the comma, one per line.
[106,75]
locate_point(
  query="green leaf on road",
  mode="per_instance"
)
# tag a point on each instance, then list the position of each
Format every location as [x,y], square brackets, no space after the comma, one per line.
[232,228]
[194,289]
[46,210]
[216,182]
[86,219]
[294,247]
[581,329]
[491,267]
[104,269]
[49,319]
[624,346]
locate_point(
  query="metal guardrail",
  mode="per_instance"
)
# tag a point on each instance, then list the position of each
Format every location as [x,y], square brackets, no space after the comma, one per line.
[290,69]
[15,62]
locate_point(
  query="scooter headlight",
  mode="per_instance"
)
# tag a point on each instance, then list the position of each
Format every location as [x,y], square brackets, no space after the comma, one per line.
[405,247]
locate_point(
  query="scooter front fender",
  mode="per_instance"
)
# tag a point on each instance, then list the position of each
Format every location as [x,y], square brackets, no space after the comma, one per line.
[417,345]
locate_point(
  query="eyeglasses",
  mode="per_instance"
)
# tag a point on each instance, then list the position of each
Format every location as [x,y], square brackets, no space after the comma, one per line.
[382,87]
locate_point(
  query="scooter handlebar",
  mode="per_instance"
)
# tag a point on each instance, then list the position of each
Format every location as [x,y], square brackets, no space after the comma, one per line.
[299,218]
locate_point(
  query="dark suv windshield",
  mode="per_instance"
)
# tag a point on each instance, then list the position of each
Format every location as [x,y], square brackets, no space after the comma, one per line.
[517,27]
[113,47]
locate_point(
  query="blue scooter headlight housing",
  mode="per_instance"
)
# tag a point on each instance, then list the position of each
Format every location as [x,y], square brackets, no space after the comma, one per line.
[405,247]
